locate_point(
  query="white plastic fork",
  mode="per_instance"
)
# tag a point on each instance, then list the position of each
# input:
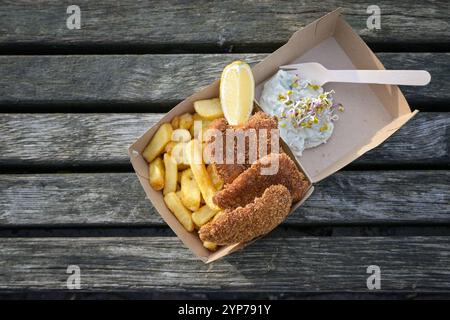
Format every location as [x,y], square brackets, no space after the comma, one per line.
[320,75]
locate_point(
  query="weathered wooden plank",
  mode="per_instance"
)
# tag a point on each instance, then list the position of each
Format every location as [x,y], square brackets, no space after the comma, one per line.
[215,295]
[336,264]
[113,199]
[224,25]
[151,81]
[71,140]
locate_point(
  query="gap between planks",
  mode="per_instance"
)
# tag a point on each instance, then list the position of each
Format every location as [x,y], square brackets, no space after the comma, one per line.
[286,230]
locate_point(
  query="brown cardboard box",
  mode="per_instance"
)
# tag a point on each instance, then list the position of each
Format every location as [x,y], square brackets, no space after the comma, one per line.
[372,112]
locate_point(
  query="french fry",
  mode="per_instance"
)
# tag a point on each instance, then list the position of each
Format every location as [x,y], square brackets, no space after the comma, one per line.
[204,127]
[196,119]
[191,131]
[168,148]
[175,122]
[179,154]
[203,215]
[170,177]
[190,193]
[194,155]
[210,245]
[182,166]
[206,124]
[218,214]
[156,146]
[156,174]
[181,213]
[216,180]
[209,109]
[181,135]
[186,121]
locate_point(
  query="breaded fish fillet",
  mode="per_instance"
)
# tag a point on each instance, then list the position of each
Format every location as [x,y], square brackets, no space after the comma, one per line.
[227,172]
[251,183]
[255,219]
[260,120]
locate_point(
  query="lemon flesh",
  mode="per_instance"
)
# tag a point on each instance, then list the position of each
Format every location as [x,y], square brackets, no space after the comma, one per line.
[237,91]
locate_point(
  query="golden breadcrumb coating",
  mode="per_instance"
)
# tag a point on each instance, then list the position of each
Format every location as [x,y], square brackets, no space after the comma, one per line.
[260,120]
[251,183]
[255,219]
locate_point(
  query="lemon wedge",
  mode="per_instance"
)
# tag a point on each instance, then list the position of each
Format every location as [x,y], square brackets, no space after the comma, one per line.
[237,91]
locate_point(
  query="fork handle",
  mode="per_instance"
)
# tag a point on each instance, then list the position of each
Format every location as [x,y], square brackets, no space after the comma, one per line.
[395,77]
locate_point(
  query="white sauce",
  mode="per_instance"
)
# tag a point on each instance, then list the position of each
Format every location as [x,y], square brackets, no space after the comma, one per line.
[297,137]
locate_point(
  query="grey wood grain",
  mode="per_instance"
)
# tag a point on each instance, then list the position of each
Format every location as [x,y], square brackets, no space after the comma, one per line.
[155,81]
[336,264]
[117,199]
[72,140]
[31,294]
[225,24]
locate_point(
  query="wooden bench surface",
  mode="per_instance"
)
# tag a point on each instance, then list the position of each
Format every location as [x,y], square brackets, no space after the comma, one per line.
[71,102]
[227,25]
[143,82]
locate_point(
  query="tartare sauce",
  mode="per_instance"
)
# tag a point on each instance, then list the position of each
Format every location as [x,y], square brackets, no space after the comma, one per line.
[304,111]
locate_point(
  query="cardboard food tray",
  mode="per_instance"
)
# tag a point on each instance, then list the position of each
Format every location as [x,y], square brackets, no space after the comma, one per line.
[372,113]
